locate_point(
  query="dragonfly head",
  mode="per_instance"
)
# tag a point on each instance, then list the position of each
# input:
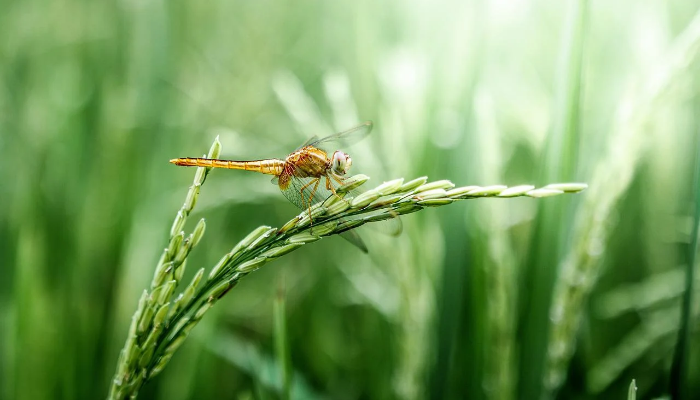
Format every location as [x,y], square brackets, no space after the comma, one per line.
[340,162]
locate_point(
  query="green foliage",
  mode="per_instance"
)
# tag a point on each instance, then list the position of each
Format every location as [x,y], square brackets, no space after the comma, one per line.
[632,392]
[569,297]
[163,321]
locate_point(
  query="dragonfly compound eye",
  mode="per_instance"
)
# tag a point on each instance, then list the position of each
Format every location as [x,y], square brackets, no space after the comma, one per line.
[341,163]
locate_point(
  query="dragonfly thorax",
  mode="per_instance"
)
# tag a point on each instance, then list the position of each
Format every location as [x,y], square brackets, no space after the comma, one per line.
[340,162]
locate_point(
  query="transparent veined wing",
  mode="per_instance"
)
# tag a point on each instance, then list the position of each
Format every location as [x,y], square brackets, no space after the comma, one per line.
[341,139]
[308,191]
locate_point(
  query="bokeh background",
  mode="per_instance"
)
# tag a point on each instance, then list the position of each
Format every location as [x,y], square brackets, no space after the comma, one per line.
[566,297]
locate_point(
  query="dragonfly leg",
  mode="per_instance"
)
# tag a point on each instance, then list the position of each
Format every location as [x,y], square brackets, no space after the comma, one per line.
[313,191]
[329,185]
[311,196]
[337,179]
[304,201]
[301,191]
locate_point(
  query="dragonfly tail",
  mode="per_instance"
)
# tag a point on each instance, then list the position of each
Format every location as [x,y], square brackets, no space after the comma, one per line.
[272,166]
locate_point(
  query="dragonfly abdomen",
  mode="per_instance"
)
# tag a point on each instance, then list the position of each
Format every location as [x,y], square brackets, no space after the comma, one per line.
[272,166]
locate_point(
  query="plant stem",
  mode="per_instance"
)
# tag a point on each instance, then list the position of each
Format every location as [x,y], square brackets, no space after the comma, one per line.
[163,321]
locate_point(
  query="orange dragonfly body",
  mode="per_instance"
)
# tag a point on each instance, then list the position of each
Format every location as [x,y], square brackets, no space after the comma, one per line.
[300,174]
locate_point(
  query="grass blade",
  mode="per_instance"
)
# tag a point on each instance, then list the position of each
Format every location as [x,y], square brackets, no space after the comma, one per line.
[281,342]
[580,268]
[632,392]
[561,153]
[161,325]
[677,380]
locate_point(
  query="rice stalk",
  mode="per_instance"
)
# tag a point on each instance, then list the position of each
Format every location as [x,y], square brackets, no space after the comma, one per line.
[649,336]
[613,175]
[547,244]
[655,291]
[632,392]
[155,309]
[162,321]
[679,367]
[499,361]
[282,343]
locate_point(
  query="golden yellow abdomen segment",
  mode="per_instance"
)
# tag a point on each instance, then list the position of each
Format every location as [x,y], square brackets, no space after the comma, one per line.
[272,166]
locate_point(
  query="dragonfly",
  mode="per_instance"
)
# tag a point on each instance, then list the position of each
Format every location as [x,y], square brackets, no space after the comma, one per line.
[308,175]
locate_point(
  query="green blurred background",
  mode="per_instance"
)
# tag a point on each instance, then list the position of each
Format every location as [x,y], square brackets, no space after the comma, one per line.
[566,297]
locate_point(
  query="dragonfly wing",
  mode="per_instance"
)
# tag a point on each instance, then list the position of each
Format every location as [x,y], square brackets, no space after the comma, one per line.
[355,239]
[392,226]
[304,192]
[312,139]
[343,139]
